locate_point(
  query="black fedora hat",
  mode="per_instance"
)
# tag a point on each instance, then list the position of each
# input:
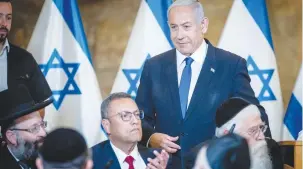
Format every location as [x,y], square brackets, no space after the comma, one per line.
[19,101]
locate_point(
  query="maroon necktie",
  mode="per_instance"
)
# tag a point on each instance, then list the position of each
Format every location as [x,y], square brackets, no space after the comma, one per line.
[130,162]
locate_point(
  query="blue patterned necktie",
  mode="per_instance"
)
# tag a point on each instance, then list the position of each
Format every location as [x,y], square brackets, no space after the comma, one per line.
[185,84]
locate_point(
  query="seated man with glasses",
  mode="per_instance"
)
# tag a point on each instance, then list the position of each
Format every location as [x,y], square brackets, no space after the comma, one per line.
[243,118]
[22,128]
[121,120]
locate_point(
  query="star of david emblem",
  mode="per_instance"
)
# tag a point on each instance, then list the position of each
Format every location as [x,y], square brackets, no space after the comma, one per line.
[133,77]
[70,69]
[265,75]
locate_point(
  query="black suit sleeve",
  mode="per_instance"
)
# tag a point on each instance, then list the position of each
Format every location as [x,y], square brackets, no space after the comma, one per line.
[145,103]
[242,88]
[38,81]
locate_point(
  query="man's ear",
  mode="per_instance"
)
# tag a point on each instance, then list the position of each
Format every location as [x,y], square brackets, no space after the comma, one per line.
[11,137]
[39,163]
[204,25]
[106,125]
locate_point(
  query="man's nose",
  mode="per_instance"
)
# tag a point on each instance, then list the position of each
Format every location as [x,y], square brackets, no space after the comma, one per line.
[3,21]
[134,119]
[42,132]
[180,34]
[260,136]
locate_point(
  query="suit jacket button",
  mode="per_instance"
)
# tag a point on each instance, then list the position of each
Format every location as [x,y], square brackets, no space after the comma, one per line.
[182,134]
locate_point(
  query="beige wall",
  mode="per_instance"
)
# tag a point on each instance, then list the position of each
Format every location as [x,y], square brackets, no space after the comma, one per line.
[108,24]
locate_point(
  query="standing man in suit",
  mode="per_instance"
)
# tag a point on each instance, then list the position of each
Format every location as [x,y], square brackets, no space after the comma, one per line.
[121,120]
[16,64]
[180,89]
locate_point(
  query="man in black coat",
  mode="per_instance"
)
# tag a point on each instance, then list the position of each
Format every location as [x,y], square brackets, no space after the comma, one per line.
[71,151]
[22,128]
[16,64]
[237,115]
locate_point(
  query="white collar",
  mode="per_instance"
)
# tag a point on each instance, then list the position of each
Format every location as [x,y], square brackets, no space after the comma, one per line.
[198,56]
[5,46]
[121,155]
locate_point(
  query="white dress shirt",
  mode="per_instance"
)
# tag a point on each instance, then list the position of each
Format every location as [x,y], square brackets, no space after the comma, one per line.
[3,66]
[138,162]
[198,56]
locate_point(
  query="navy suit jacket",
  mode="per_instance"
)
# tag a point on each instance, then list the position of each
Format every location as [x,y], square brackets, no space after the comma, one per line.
[104,156]
[223,75]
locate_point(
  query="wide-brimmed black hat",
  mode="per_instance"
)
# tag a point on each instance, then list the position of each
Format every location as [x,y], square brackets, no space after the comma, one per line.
[19,101]
[229,109]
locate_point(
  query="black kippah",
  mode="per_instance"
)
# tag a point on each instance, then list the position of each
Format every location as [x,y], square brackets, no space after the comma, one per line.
[230,109]
[63,145]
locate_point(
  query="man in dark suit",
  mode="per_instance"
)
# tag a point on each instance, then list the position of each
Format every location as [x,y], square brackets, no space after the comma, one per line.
[180,89]
[121,119]
[22,128]
[16,64]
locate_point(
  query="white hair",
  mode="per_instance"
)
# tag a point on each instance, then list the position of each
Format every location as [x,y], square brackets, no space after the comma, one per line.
[197,6]
[243,115]
[201,160]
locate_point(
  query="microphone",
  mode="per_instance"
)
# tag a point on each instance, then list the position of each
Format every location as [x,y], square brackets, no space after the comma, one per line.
[108,164]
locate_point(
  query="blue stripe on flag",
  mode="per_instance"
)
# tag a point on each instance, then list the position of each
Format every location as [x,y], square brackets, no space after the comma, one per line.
[70,12]
[258,10]
[293,117]
[159,9]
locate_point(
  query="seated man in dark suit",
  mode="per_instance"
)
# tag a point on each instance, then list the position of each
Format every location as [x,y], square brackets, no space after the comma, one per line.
[241,117]
[228,152]
[65,149]
[121,119]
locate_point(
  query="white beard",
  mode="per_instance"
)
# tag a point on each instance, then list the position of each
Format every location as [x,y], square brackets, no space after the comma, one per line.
[260,159]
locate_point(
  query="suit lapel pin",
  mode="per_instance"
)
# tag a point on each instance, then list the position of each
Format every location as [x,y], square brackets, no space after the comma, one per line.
[212,70]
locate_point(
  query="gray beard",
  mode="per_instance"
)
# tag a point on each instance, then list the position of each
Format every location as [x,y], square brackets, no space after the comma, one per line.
[24,151]
[260,159]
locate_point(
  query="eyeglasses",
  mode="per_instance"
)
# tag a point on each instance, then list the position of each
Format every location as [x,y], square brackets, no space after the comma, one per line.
[34,129]
[255,131]
[127,116]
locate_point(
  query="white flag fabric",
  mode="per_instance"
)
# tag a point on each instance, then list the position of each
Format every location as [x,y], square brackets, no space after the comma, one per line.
[59,45]
[149,37]
[293,115]
[247,34]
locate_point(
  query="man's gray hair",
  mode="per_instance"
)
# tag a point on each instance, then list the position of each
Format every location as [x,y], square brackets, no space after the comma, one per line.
[114,96]
[197,6]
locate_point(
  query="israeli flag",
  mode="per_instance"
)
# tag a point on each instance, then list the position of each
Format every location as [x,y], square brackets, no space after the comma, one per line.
[293,115]
[149,37]
[59,46]
[247,33]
